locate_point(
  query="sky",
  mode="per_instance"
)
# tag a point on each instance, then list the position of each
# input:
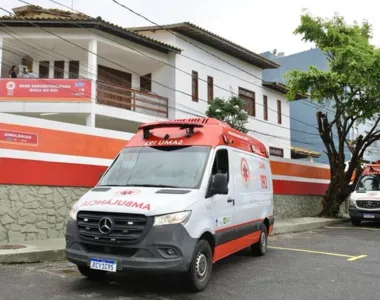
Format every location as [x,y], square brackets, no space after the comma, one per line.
[257,25]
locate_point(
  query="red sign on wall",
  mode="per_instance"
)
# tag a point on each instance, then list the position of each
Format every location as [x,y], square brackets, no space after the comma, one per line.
[35,90]
[15,137]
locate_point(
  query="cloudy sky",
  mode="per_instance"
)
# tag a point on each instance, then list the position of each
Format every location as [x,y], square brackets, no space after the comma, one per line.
[258,25]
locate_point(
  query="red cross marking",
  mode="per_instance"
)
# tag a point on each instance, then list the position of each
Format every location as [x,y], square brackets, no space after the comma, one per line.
[127,192]
[244,170]
[245,173]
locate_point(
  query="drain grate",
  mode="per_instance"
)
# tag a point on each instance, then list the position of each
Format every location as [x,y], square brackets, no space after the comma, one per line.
[11,247]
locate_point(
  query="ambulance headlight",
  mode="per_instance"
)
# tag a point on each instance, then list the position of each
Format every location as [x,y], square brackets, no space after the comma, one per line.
[175,218]
[351,203]
[73,212]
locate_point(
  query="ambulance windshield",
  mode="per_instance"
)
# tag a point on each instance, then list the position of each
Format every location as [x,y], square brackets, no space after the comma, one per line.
[370,182]
[163,166]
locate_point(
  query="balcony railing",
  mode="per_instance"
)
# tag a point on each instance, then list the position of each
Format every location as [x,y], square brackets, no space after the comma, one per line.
[127,98]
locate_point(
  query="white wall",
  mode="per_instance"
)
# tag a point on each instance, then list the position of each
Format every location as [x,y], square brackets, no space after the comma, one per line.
[229,86]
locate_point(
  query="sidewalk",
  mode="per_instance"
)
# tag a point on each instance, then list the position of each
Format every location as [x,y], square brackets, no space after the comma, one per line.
[51,250]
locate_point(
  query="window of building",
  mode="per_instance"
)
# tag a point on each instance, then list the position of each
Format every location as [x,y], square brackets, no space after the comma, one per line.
[265,106]
[73,69]
[276,152]
[59,69]
[250,101]
[146,83]
[279,115]
[210,88]
[43,69]
[195,86]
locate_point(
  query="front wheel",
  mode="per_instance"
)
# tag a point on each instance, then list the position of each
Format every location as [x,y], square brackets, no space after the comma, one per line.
[356,222]
[260,248]
[199,273]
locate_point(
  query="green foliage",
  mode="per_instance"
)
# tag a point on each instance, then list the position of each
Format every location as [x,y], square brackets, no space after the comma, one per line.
[351,86]
[229,111]
[352,81]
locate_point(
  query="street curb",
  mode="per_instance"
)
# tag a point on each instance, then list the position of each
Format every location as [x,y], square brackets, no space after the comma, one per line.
[308,226]
[32,256]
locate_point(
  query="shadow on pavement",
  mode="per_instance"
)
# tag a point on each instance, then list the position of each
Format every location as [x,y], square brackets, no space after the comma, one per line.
[167,287]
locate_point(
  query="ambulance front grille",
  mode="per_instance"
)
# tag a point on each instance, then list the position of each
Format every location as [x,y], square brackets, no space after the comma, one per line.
[368,204]
[114,228]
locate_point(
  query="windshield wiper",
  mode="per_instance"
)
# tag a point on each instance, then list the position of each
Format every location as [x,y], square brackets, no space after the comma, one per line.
[153,185]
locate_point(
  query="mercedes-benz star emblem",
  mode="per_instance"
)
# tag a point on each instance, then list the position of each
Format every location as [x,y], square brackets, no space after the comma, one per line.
[369,203]
[105,225]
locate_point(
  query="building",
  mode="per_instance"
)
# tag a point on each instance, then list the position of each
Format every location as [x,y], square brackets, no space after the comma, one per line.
[87,71]
[305,111]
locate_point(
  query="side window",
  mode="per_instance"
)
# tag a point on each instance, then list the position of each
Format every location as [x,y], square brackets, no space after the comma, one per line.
[221,163]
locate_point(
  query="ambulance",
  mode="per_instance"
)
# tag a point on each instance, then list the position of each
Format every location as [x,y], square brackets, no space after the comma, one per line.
[364,201]
[182,195]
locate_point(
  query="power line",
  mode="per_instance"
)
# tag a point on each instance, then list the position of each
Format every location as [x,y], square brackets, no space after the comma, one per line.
[202,115]
[56,35]
[187,41]
[187,73]
[139,74]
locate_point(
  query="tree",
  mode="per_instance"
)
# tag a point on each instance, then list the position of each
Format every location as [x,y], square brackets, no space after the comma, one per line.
[229,111]
[352,88]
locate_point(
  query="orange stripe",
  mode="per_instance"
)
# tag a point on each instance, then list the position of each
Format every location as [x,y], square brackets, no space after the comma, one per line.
[289,169]
[234,246]
[69,143]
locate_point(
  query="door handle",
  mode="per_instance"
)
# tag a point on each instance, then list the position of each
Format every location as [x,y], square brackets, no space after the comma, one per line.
[231,200]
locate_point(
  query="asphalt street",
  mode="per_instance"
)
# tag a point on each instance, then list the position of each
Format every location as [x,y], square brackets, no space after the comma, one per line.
[339,262]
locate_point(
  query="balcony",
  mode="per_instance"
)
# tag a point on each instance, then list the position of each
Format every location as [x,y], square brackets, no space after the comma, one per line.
[131,99]
[79,91]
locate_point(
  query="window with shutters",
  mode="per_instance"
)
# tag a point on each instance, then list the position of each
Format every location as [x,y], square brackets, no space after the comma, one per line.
[59,69]
[265,106]
[146,83]
[73,69]
[279,115]
[249,101]
[195,86]
[210,88]
[44,69]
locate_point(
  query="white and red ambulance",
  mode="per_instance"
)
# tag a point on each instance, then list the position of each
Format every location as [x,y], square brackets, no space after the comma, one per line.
[182,195]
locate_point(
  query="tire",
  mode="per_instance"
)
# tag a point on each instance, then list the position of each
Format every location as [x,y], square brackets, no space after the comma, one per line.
[260,248]
[356,222]
[198,276]
[93,275]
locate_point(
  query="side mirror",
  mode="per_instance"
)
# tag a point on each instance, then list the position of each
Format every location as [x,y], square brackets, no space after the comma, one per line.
[219,185]
[101,175]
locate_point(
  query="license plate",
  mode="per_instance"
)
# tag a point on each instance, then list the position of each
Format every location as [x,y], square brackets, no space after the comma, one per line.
[103,265]
[369,216]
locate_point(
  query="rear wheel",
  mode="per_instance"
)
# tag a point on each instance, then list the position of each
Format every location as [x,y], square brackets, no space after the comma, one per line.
[356,222]
[199,273]
[260,248]
[93,275]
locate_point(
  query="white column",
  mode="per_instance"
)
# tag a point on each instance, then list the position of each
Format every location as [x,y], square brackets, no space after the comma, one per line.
[51,69]
[36,67]
[135,81]
[92,74]
[66,70]
[92,66]
[1,59]
[90,121]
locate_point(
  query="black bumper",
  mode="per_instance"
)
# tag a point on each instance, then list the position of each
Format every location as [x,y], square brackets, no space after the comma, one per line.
[357,213]
[149,255]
